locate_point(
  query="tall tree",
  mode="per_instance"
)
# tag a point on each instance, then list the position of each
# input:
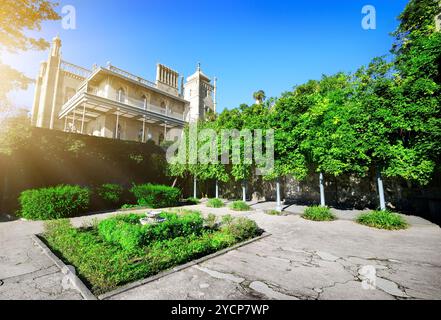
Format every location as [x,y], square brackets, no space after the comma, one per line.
[16,19]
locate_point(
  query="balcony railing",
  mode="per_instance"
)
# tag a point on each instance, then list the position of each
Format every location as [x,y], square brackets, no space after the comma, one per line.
[131,76]
[74,69]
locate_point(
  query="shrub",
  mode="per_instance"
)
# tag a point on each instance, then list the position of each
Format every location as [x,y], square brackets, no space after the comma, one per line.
[215,203]
[227,219]
[54,203]
[127,231]
[156,196]
[383,220]
[211,221]
[241,229]
[110,193]
[239,206]
[274,213]
[318,213]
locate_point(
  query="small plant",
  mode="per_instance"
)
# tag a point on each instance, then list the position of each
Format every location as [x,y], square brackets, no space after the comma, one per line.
[274,213]
[382,220]
[215,203]
[192,201]
[156,196]
[241,228]
[318,213]
[227,219]
[211,221]
[54,203]
[110,193]
[239,206]
[132,206]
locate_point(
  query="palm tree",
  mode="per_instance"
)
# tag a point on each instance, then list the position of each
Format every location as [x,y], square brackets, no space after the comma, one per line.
[259,96]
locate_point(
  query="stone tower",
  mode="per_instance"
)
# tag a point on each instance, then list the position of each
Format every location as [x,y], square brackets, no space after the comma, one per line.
[45,105]
[199,91]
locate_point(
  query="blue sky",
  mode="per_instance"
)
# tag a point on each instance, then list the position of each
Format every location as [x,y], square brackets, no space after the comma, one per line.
[247,44]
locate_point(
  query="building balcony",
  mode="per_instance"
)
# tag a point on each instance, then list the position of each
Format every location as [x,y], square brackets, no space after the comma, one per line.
[87,105]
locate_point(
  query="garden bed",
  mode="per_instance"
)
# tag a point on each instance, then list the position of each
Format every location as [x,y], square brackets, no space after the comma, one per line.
[120,250]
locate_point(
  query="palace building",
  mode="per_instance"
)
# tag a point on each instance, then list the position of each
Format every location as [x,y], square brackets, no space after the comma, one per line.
[113,103]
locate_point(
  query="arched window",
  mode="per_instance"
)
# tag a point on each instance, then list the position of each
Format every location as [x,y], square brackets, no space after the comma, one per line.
[144,101]
[121,95]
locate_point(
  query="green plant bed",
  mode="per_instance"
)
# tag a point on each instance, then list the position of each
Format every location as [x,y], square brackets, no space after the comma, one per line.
[215,203]
[192,201]
[318,213]
[119,250]
[382,220]
[239,206]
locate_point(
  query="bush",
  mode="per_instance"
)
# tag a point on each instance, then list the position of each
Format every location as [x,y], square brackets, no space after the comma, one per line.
[239,206]
[211,221]
[54,203]
[241,229]
[215,203]
[110,193]
[318,213]
[128,232]
[382,220]
[156,196]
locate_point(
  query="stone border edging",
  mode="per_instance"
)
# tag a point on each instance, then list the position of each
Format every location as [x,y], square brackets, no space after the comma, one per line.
[88,295]
[66,270]
[141,282]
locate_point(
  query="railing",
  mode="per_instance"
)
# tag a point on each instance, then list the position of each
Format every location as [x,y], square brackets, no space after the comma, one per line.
[74,69]
[131,76]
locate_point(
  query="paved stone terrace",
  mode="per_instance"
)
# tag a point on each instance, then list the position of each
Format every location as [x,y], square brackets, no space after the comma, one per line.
[300,260]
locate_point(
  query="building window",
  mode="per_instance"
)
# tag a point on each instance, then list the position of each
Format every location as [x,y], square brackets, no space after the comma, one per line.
[118,133]
[144,102]
[121,95]
[161,138]
[140,135]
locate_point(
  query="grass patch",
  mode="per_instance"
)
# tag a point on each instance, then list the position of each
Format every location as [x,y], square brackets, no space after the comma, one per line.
[118,250]
[215,203]
[239,206]
[318,213]
[382,220]
[192,201]
[274,213]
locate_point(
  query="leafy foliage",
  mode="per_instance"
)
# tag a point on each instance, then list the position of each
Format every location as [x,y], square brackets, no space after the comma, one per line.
[318,213]
[239,206]
[382,220]
[156,196]
[110,193]
[54,203]
[215,203]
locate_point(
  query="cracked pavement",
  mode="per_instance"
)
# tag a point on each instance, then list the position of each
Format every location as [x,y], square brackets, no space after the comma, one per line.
[300,260]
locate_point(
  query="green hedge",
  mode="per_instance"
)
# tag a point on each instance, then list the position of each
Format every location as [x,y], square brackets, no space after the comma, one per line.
[54,203]
[156,196]
[127,231]
[110,193]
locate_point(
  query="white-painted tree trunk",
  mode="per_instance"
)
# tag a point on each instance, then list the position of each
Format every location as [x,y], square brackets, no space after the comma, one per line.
[381,191]
[279,200]
[244,191]
[217,189]
[322,190]
[195,190]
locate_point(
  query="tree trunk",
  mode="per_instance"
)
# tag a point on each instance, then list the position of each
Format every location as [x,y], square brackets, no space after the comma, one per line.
[174,182]
[217,189]
[244,191]
[381,190]
[322,190]
[195,191]
[279,201]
